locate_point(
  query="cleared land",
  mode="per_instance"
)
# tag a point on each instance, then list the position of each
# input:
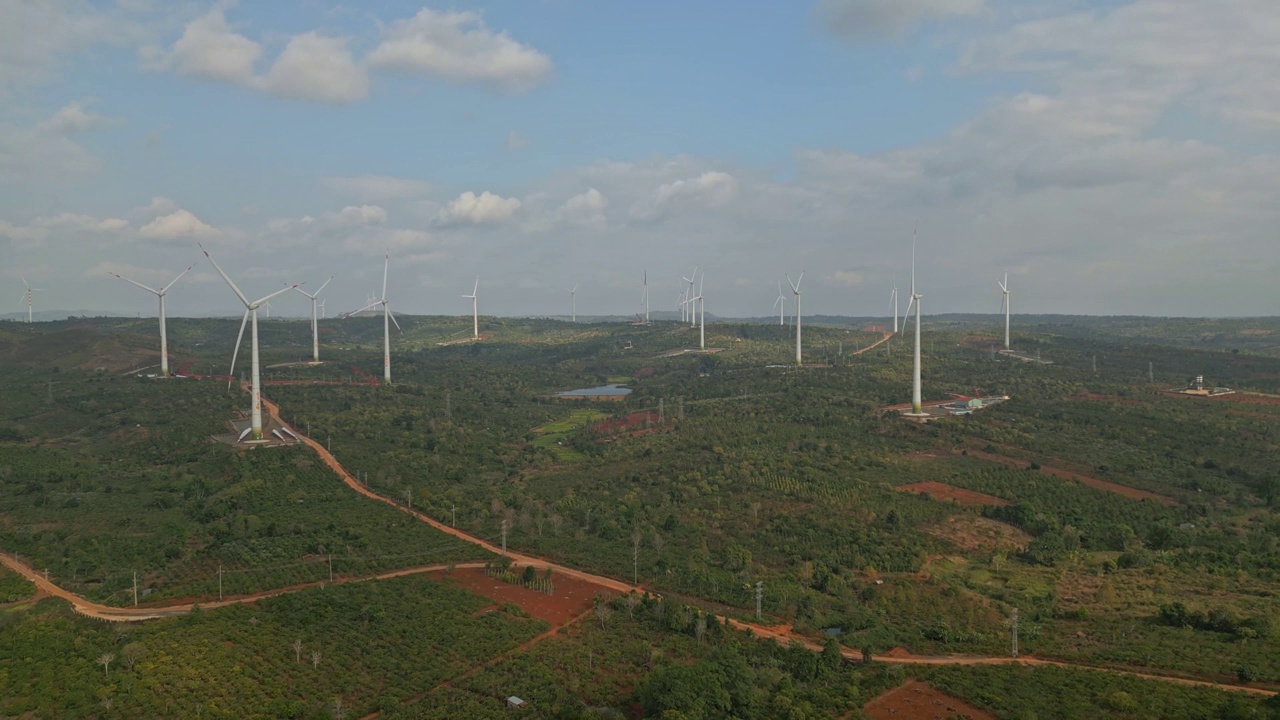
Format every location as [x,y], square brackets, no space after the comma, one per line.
[942,491]
[915,700]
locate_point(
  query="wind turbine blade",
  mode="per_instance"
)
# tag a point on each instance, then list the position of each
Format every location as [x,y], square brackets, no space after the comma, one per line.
[477,287]
[234,289]
[777,300]
[322,286]
[274,294]
[153,291]
[184,272]
[235,353]
[799,280]
[392,316]
[370,306]
[907,314]
[386,263]
[914,234]
[793,285]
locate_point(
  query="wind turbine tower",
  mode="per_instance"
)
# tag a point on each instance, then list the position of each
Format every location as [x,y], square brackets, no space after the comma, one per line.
[702,336]
[475,312]
[693,308]
[916,410]
[1004,288]
[315,323]
[781,304]
[164,340]
[387,319]
[894,299]
[255,387]
[573,304]
[795,289]
[646,297]
[30,290]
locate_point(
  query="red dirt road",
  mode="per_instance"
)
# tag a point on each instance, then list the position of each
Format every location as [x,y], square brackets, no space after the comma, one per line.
[942,491]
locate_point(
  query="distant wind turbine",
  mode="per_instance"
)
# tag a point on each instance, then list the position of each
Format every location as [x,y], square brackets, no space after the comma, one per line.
[315,324]
[573,304]
[693,309]
[27,296]
[702,314]
[915,364]
[1004,289]
[646,297]
[387,319]
[164,341]
[475,312]
[255,387]
[795,289]
[781,304]
[893,297]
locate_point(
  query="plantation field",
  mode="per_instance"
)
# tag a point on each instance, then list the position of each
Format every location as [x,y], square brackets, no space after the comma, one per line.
[363,645]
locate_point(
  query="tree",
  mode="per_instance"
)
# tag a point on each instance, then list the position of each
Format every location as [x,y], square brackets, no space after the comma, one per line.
[131,653]
[105,661]
[297,650]
[831,657]
[315,658]
[603,612]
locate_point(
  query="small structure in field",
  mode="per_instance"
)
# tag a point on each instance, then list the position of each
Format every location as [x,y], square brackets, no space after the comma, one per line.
[1196,387]
[515,702]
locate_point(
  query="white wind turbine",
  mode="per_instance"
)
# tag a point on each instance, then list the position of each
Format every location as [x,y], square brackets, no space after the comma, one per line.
[387,319]
[573,304]
[315,325]
[795,289]
[475,312]
[164,339]
[702,314]
[781,304]
[646,297]
[893,297]
[255,387]
[915,364]
[1004,288]
[693,309]
[27,296]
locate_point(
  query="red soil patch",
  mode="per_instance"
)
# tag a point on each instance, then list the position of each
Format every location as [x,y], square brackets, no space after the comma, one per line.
[915,700]
[1249,398]
[633,425]
[942,491]
[572,596]
[644,372]
[1093,482]
[973,533]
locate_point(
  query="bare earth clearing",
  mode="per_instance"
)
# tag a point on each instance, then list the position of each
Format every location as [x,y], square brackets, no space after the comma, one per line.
[915,700]
[1093,482]
[942,491]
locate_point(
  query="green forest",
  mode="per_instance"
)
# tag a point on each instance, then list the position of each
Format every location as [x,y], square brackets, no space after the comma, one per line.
[1125,526]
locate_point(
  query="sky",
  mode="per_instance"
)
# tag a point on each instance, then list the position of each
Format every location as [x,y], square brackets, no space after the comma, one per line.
[1112,157]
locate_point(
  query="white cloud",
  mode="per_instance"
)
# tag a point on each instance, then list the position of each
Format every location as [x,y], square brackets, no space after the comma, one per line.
[36,36]
[209,48]
[710,189]
[459,47]
[178,224]
[875,20]
[469,208]
[377,188]
[75,118]
[584,209]
[317,68]
[363,215]
[82,223]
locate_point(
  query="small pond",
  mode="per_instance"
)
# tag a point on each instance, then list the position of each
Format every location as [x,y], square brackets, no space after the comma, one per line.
[610,389]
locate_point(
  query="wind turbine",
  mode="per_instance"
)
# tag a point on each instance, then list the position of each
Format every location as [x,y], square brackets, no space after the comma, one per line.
[693,309]
[164,341]
[323,315]
[387,319]
[702,315]
[255,387]
[1004,288]
[915,364]
[573,303]
[795,289]
[646,297]
[475,313]
[781,304]
[315,325]
[27,295]
[893,297]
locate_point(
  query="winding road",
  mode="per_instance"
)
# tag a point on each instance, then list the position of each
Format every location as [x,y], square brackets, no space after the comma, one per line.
[780,634]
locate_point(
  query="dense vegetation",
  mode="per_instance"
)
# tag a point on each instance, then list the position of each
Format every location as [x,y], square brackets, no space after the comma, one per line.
[719,471]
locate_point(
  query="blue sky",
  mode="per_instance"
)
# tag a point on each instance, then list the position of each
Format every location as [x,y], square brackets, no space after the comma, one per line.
[1098,151]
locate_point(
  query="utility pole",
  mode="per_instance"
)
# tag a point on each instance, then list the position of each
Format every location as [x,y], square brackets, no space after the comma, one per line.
[408,498]
[219,583]
[135,588]
[328,442]
[1014,628]
[330,567]
[454,521]
[759,596]
[504,537]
